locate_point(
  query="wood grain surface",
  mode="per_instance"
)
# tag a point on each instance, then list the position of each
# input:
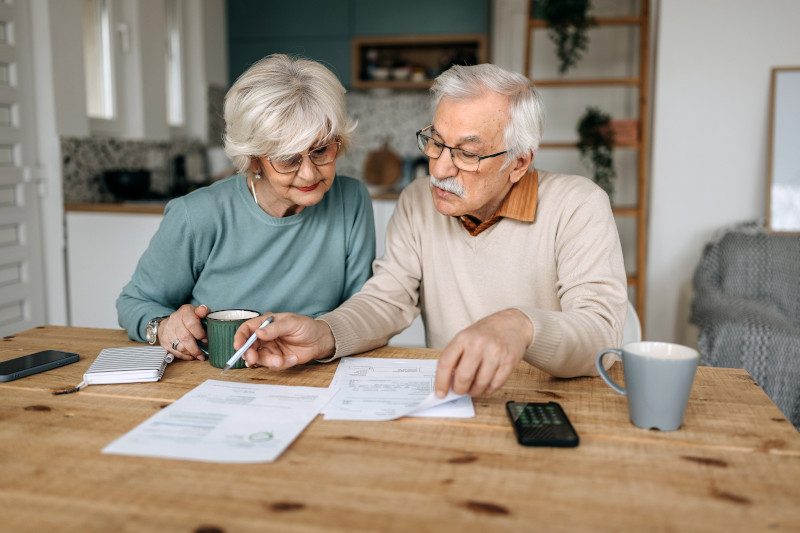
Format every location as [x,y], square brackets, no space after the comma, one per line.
[733,466]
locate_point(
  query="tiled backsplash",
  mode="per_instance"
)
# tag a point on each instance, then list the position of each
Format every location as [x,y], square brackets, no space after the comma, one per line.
[85,159]
[383,117]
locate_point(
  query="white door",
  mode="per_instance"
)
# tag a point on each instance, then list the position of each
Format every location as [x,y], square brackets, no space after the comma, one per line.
[22,303]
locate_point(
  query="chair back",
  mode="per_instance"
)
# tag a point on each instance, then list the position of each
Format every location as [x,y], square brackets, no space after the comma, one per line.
[632,329]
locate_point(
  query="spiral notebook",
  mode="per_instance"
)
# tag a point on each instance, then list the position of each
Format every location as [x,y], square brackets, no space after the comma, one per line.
[125,365]
[128,365]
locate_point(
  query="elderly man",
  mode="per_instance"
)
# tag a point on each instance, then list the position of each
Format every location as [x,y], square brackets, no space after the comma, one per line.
[505,262]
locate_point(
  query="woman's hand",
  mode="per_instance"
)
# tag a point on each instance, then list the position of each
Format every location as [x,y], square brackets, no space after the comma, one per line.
[289,340]
[184,326]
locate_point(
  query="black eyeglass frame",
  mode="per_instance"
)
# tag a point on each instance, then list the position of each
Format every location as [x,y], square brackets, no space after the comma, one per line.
[308,155]
[452,158]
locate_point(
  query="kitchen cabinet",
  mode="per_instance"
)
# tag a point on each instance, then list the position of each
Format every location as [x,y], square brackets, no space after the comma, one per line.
[104,247]
[102,252]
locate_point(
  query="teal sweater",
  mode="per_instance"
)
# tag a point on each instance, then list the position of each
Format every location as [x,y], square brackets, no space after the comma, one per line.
[216,247]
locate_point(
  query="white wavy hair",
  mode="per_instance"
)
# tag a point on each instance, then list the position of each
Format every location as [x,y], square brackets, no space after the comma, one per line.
[526,126]
[281,106]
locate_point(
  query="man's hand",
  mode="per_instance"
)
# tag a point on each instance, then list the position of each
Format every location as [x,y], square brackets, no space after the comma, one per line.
[289,340]
[184,326]
[480,358]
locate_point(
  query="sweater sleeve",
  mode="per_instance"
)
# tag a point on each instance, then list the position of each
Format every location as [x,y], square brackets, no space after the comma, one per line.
[388,302]
[360,241]
[591,289]
[165,275]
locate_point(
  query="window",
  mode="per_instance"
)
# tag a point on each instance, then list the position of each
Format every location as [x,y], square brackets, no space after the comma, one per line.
[97,55]
[175,114]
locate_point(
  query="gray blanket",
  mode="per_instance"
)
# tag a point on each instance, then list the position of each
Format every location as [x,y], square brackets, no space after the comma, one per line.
[747,306]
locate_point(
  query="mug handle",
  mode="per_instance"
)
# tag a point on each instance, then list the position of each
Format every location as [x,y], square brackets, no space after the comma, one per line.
[203,347]
[602,371]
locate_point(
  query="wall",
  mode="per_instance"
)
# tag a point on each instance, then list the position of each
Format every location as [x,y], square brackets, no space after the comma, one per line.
[145,104]
[709,152]
[207,65]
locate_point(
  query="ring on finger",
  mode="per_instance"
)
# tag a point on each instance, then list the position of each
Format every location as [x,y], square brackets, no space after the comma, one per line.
[175,343]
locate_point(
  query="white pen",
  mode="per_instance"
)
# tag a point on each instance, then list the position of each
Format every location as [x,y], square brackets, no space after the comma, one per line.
[240,352]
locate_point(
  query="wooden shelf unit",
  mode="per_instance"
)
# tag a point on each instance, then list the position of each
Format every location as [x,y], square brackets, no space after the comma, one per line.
[624,20]
[636,279]
[588,82]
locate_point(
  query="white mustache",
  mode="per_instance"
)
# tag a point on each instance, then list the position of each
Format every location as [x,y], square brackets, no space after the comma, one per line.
[451,185]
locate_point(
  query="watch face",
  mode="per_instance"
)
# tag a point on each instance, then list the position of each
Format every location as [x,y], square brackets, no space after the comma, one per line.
[150,332]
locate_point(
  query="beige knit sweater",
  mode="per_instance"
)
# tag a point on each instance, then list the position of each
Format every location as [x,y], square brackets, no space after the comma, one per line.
[564,271]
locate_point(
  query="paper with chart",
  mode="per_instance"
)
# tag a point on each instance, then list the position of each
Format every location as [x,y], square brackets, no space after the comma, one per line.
[369,388]
[226,422]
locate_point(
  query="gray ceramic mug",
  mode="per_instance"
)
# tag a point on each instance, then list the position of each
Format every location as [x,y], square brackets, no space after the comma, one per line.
[658,377]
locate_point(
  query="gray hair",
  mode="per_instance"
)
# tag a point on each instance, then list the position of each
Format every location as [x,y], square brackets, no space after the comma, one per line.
[526,125]
[282,105]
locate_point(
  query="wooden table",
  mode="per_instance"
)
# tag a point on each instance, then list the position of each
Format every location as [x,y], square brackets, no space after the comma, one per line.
[733,466]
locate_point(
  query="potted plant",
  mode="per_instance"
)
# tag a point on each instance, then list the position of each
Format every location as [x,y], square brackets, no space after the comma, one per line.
[567,23]
[596,146]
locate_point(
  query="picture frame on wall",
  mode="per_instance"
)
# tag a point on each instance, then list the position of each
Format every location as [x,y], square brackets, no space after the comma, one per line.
[783,159]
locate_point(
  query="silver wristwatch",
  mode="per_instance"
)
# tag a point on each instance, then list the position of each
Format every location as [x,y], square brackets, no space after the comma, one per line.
[151,331]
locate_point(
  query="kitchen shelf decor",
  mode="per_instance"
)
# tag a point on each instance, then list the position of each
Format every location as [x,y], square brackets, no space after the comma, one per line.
[411,61]
[601,77]
[596,145]
[567,22]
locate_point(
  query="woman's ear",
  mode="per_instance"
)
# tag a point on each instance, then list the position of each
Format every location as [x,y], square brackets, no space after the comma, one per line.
[255,165]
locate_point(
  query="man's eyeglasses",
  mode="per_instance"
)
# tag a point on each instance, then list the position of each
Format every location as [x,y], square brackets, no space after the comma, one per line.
[467,161]
[322,155]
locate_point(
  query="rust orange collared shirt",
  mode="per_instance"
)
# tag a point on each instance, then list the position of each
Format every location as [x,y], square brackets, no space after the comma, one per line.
[519,204]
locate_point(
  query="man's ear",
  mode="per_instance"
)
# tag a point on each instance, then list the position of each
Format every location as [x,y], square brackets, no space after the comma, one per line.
[520,166]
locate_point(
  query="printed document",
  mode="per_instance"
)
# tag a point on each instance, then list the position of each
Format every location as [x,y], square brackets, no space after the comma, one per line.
[369,388]
[226,422]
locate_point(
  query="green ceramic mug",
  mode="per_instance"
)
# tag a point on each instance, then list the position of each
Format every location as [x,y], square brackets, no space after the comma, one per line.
[221,327]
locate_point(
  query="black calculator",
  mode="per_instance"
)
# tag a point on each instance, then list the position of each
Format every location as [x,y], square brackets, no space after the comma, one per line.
[541,424]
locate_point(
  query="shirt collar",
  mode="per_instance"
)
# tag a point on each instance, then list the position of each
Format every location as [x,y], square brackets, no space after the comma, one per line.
[519,204]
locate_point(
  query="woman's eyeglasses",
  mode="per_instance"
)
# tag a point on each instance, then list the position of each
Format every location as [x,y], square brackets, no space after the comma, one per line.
[320,156]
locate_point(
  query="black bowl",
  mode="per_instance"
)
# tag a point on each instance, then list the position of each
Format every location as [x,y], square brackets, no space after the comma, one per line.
[128,184]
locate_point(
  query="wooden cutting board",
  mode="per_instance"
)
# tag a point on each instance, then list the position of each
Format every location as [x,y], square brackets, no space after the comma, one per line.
[382,167]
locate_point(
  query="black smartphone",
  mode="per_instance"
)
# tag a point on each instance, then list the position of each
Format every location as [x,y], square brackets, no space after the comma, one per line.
[541,424]
[34,363]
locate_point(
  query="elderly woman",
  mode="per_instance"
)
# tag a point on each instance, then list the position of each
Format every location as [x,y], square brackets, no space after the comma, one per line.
[286,234]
